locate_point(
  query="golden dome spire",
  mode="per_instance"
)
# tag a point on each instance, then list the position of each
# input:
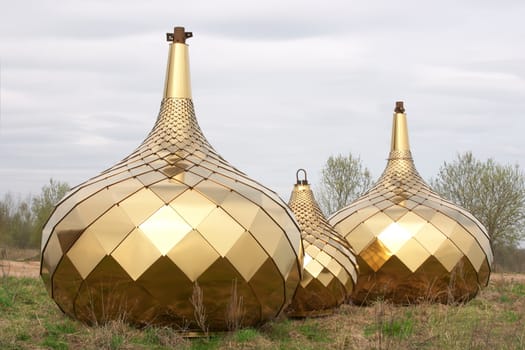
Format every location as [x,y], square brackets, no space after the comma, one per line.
[400,143]
[177,83]
[401,171]
[330,267]
[411,244]
[172,220]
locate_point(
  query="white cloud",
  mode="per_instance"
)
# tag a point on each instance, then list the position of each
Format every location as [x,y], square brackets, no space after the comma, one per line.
[291,82]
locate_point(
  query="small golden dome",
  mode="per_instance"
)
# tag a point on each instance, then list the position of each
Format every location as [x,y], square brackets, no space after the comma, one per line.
[330,268]
[411,244]
[172,218]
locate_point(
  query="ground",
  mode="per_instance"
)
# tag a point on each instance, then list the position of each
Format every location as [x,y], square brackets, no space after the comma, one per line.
[20,268]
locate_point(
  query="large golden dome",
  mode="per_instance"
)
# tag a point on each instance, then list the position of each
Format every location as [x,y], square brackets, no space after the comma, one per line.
[330,268]
[171,221]
[411,244]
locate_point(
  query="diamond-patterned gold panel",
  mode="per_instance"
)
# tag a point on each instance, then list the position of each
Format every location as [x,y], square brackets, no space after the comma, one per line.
[330,267]
[411,244]
[132,241]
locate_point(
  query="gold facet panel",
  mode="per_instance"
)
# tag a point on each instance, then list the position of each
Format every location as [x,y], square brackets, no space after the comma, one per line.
[330,267]
[411,244]
[135,240]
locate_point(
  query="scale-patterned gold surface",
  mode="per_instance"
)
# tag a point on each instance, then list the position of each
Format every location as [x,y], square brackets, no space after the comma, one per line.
[133,241]
[411,244]
[330,267]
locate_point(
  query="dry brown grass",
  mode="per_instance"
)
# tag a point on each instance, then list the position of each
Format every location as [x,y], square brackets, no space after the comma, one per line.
[199,311]
[235,310]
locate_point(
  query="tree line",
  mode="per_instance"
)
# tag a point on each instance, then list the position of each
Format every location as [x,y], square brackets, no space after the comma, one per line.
[22,219]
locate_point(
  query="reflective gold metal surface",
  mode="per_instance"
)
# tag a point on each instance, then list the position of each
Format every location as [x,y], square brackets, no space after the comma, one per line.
[134,242]
[411,244]
[330,267]
[178,66]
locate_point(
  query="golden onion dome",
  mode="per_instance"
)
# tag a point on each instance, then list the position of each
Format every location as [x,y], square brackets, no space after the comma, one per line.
[330,267]
[172,233]
[411,244]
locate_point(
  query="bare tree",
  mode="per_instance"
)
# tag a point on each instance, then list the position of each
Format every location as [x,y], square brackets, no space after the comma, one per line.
[493,193]
[22,219]
[343,179]
[16,221]
[42,206]
[6,211]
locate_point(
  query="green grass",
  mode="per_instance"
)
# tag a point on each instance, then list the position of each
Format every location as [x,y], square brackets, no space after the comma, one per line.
[56,334]
[116,342]
[518,289]
[494,320]
[397,327]
[279,331]
[246,335]
[511,316]
[206,343]
[312,330]
[6,299]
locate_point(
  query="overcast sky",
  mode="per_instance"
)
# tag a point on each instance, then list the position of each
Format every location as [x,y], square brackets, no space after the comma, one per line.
[277,85]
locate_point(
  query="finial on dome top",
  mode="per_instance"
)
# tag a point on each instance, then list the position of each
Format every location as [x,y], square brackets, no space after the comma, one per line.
[400,108]
[179,35]
[301,182]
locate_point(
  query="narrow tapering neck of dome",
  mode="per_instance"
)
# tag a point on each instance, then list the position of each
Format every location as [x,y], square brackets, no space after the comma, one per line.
[400,169]
[178,84]
[399,130]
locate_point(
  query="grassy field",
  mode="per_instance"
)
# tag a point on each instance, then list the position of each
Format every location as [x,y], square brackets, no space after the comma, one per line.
[29,319]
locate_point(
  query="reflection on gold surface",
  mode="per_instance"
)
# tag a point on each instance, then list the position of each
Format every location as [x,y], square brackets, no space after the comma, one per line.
[131,242]
[330,267]
[412,245]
